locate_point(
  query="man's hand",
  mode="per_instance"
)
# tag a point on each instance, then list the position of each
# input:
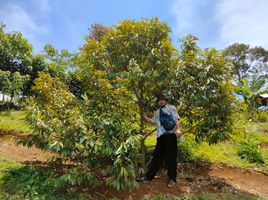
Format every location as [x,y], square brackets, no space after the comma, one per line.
[178,133]
[178,128]
[148,119]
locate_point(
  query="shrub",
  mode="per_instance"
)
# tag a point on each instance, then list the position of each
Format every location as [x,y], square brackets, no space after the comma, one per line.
[185,153]
[250,151]
[102,143]
[260,116]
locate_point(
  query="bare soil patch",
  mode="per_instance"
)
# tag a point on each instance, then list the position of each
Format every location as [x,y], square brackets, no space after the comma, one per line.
[264,145]
[11,151]
[244,180]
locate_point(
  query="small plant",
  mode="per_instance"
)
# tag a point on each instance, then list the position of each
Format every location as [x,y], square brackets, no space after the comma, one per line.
[260,116]
[30,182]
[250,151]
[185,153]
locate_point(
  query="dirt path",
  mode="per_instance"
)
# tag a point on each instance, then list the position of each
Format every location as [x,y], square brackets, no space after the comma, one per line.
[201,177]
[11,151]
[245,180]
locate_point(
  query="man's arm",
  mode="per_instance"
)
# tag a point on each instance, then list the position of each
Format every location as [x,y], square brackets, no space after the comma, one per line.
[148,119]
[178,127]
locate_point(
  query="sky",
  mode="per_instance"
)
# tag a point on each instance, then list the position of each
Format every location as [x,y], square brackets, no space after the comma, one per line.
[64,23]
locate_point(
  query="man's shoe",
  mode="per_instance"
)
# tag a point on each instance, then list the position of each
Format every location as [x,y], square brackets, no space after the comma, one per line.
[171,183]
[144,179]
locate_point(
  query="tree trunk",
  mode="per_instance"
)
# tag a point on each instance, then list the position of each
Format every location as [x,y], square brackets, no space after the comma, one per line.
[142,133]
[141,108]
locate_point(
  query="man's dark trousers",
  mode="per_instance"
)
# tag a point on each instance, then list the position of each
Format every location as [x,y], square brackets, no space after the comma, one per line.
[166,149]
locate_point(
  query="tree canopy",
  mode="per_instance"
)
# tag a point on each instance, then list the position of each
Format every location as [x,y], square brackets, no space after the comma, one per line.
[247,60]
[15,52]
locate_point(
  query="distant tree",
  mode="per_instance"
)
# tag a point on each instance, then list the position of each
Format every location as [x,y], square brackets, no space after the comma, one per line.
[97,31]
[12,84]
[16,56]
[18,83]
[247,60]
[15,52]
[250,69]
[5,84]
[58,62]
[63,64]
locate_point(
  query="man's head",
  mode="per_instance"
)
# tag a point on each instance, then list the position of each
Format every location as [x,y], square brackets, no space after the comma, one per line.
[161,100]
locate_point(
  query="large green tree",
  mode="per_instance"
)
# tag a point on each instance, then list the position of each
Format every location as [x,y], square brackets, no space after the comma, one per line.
[141,54]
[138,53]
[15,52]
[121,72]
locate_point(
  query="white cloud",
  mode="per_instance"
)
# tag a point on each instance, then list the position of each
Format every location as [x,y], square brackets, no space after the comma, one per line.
[243,21]
[195,17]
[184,12]
[44,5]
[222,22]
[17,18]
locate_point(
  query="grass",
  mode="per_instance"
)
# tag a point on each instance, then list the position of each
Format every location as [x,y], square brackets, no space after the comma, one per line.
[4,166]
[203,196]
[13,121]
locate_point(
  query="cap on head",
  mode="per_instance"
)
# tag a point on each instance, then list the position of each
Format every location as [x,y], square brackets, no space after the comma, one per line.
[160,97]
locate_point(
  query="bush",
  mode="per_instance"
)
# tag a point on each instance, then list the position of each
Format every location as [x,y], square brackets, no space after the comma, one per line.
[250,151]
[185,154]
[260,116]
[102,142]
[29,182]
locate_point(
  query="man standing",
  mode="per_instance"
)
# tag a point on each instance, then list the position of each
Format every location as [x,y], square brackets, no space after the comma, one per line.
[166,119]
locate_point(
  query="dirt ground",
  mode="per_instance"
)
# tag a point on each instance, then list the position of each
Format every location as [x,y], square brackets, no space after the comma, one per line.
[11,151]
[192,178]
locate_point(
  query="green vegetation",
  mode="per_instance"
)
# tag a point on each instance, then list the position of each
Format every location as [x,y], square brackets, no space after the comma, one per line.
[251,152]
[203,196]
[13,121]
[249,68]
[227,152]
[255,156]
[30,182]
